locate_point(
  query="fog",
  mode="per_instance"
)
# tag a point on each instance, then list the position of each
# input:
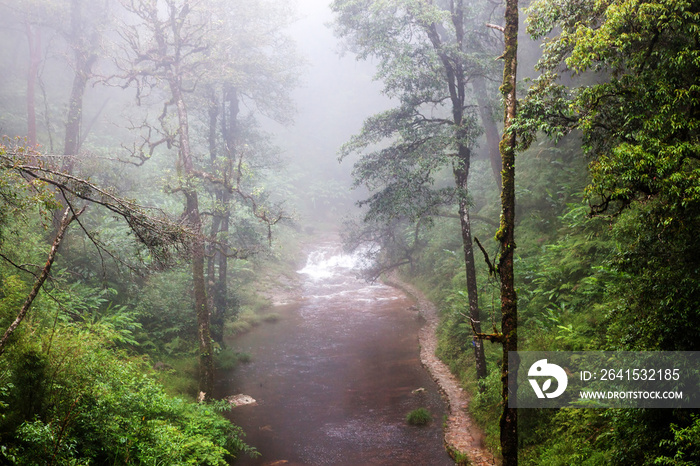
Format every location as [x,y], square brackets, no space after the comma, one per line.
[337,93]
[334,95]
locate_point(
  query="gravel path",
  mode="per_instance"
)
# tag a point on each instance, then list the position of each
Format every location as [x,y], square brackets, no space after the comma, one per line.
[463,438]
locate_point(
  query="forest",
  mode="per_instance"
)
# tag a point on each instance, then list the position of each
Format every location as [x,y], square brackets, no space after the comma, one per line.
[531,167]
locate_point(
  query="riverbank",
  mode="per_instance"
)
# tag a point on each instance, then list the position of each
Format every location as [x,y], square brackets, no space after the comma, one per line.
[463,438]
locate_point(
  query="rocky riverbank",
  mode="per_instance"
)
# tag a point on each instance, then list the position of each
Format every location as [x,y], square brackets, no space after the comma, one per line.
[463,438]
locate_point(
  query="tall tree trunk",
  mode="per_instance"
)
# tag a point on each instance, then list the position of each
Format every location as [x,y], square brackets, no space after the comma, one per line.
[221,295]
[456,82]
[212,251]
[83,61]
[229,125]
[218,259]
[505,235]
[490,129]
[461,174]
[213,265]
[34,39]
[194,220]
[83,65]
[206,356]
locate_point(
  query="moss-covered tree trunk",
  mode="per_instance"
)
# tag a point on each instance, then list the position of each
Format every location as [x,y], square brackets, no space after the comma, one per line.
[217,269]
[206,361]
[215,255]
[505,235]
[230,130]
[211,252]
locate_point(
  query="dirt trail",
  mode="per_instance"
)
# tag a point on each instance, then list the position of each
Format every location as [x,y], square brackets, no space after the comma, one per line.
[462,436]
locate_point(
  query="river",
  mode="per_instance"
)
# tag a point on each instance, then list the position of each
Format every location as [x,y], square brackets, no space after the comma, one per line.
[335,377]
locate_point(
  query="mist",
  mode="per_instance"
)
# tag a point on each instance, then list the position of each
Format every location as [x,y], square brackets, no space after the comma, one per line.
[336,93]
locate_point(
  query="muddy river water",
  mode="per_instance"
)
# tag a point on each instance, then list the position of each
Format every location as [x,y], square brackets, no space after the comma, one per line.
[335,377]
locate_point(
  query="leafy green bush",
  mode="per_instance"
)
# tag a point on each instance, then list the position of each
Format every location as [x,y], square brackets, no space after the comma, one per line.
[684,446]
[80,401]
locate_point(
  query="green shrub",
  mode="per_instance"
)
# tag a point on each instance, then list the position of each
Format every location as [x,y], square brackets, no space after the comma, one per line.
[85,402]
[419,417]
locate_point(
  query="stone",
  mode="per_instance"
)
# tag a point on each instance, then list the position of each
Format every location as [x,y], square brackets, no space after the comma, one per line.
[241,400]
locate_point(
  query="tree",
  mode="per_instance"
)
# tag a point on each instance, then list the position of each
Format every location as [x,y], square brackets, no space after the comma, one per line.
[260,73]
[173,46]
[31,16]
[429,57]
[83,37]
[506,236]
[62,38]
[641,105]
[623,75]
[633,95]
[168,45]
[508,336]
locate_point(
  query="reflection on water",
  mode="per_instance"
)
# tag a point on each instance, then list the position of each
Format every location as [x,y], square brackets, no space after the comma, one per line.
[334,377]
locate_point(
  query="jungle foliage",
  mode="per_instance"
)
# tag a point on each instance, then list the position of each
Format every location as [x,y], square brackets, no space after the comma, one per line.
[76,384]
[606,214]
[112,339]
